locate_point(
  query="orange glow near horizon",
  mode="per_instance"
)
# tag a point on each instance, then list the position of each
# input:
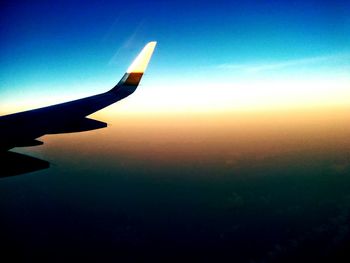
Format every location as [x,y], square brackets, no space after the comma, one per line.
[211,139]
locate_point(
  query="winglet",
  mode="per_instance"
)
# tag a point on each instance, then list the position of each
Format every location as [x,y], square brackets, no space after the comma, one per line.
[133,75]
[140,63]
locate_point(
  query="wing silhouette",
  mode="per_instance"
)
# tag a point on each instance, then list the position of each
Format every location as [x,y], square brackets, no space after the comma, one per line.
[23,128]
[13,163]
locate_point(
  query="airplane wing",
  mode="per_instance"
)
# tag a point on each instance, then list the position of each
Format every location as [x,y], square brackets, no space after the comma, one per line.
[23,128]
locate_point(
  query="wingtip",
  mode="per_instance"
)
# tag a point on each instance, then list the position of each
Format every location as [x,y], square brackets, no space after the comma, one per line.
[140,64]
[152,43]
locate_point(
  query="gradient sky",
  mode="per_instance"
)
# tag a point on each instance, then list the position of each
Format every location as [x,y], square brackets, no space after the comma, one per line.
[223,55]
[237,139]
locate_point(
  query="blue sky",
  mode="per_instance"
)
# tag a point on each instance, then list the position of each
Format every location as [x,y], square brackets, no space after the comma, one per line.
[54,51]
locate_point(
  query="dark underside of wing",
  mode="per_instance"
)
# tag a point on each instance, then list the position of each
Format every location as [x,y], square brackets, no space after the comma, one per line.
[21,129]
[15,164]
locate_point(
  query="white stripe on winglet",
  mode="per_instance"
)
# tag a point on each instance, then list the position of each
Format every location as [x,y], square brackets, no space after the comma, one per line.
[140,63]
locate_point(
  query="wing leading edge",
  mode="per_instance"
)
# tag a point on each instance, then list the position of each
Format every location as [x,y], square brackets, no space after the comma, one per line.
[21,129]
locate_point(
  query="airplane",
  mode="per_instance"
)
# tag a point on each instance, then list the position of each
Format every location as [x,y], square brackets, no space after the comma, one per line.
[23,128]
